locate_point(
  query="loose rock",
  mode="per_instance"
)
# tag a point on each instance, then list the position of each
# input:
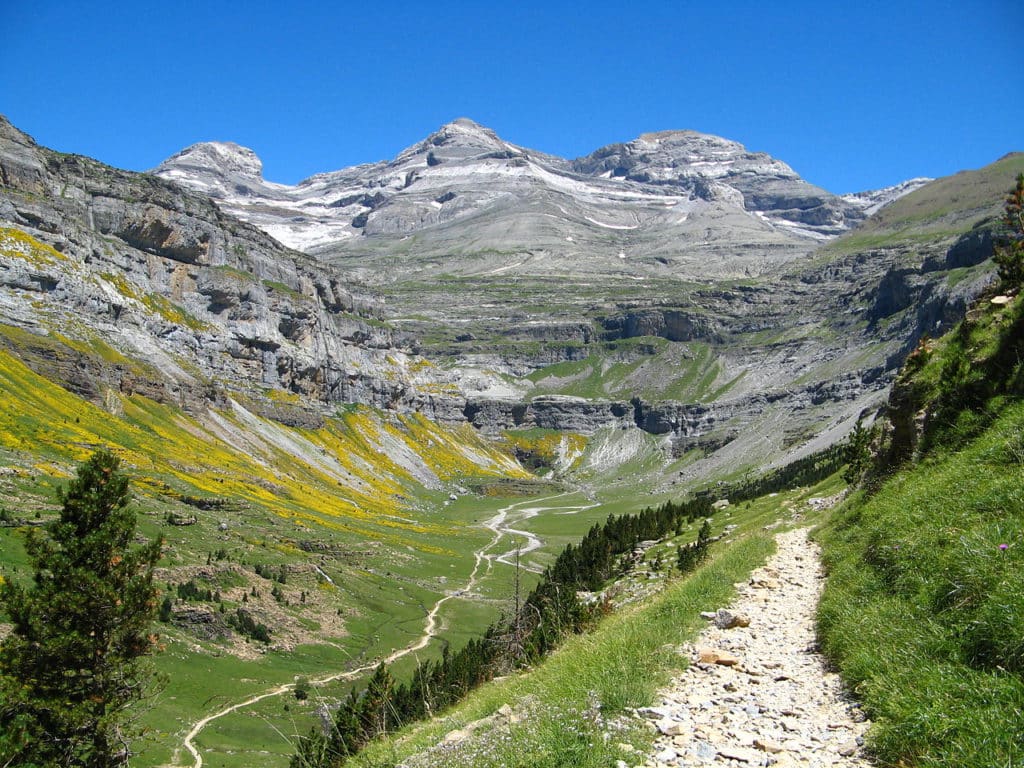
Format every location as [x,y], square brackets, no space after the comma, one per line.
[717,656]
[726,619]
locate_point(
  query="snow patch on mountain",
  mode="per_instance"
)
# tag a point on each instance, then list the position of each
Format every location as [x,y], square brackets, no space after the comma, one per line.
[872,200]
[223,157]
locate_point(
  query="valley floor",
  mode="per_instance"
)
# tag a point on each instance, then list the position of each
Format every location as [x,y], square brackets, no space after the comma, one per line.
[501,526]
[768,699]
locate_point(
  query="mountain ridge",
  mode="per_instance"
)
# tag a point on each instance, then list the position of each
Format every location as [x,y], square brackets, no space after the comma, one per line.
[484,349]
[329,208]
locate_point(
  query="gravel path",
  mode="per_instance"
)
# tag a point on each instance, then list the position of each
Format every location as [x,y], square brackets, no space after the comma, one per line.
[760,695]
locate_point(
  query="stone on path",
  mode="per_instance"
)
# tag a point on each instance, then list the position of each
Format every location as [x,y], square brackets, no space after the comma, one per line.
[740,753]
[766,745]
[717,656]
[726,619]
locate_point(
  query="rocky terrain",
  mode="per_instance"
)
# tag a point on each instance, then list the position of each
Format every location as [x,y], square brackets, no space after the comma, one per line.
[198,300]
[677,283]
[675,203]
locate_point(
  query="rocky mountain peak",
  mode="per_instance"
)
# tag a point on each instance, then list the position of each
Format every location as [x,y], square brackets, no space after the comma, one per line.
[671,156]
[688,138]
[658,185]
[9,133]
[466,127]
[714,168]
[460,139]
[219,168]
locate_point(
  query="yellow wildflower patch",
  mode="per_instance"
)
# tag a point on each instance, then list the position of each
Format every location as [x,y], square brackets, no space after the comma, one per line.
[21,245]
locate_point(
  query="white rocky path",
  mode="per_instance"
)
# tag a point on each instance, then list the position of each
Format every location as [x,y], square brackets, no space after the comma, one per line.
[759,694]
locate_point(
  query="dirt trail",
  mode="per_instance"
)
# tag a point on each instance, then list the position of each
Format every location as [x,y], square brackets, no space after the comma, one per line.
[761,695]
[498,524]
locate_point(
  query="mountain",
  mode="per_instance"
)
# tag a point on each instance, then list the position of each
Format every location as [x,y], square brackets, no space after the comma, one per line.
[677,202]
[767,318]
[165,278]
[748,286]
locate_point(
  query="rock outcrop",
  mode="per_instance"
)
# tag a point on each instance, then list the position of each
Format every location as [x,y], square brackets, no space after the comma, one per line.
[714,168]
[197,299]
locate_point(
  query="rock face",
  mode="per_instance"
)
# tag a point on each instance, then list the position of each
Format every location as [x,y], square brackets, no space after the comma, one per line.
[201,301]
[677,263]
[678,200]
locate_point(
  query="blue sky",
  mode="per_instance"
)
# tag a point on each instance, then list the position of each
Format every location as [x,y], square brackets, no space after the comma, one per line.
[853,95]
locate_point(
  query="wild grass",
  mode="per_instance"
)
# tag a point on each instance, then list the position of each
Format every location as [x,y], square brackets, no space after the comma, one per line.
[924,609]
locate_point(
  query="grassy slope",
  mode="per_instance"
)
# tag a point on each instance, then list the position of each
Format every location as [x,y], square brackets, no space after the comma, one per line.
[391,545]
[657,370]
[945,207]
[619,665]
[924,611]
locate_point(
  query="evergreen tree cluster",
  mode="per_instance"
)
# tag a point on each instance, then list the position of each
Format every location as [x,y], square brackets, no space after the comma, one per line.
[243,622]
[689,556]
[268,572]
[189,590]
[588,565]
[809,470]
[1009,254]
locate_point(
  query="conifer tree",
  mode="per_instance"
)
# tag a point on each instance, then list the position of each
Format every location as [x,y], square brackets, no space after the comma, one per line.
[374,707]
[73,663]
[1009,255]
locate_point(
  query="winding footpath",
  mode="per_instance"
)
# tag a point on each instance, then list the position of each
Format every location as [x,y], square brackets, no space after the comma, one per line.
[516,513]
[759,693]
[499,525]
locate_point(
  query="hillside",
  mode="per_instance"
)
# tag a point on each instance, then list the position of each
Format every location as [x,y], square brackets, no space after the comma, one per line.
[924,612]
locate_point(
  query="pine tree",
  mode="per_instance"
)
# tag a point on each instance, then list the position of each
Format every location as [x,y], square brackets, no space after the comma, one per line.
[374,707]
[858,453]
[73,663]
[1009,255]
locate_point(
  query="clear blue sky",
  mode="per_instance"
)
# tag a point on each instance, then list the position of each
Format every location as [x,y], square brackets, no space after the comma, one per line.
[854,94]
